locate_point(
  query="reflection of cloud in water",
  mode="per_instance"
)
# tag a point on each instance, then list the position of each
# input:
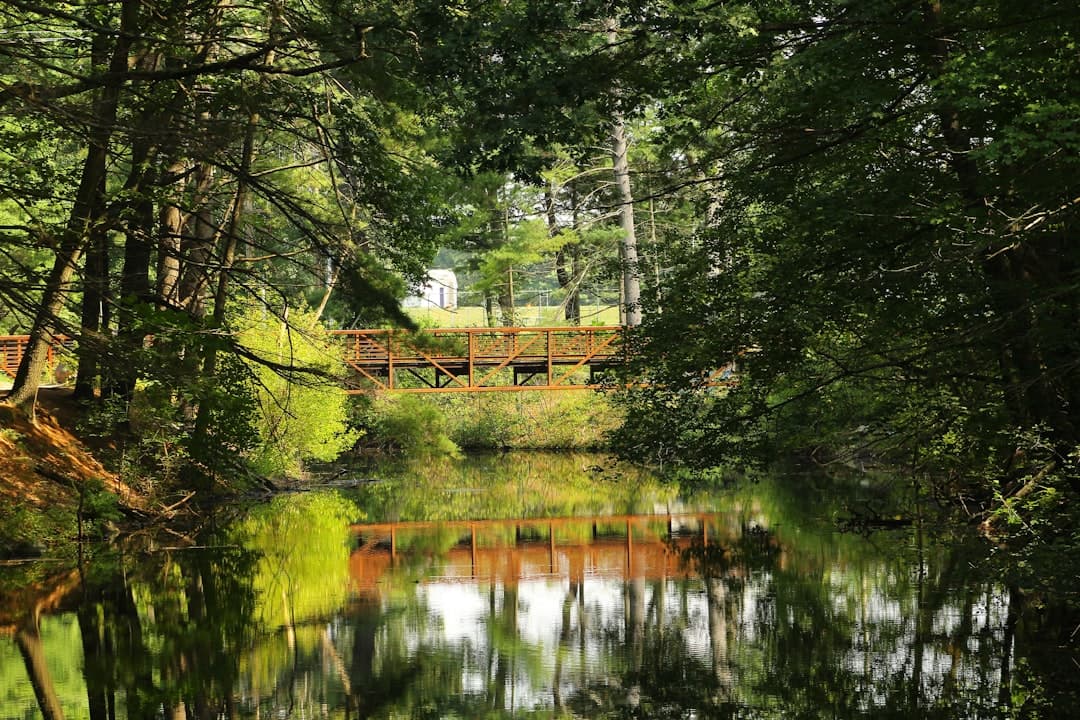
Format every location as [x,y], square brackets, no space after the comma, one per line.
[540,612]
[459,609]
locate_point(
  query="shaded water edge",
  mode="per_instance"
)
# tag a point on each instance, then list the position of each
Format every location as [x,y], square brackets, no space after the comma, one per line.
[518,585]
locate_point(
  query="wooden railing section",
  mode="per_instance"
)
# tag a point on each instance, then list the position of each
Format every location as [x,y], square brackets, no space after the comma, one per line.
[12,348]
[481,359]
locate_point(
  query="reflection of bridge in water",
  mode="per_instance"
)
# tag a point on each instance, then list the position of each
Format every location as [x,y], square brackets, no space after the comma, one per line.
[513,551]
[452,360]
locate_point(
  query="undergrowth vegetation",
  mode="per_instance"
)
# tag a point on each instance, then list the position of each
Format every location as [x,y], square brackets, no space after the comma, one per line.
[446,424]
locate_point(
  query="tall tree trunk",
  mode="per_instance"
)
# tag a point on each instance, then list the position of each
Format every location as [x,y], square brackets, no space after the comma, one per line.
[171,227]
[331,281]
[85,213]
[506,291]
[228,255]
[631,283]
[568,273]
[197,243]
[577,267]
[95,307]
[506,299]
[567,262]
[134,290]
[654,247]
[139,239]
[95,285]
[231,240]
[489,308]
[173,221]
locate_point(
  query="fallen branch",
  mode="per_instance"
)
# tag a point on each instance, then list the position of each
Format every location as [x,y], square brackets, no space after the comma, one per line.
[169,508]
[989,526]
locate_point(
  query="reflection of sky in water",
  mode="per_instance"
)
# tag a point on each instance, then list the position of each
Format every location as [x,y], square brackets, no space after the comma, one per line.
[877,616]
[883,630]
[460,610]
[880,615]
[837,622]
[886,641]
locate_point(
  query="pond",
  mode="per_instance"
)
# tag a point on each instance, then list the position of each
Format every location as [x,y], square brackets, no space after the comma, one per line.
[540,586]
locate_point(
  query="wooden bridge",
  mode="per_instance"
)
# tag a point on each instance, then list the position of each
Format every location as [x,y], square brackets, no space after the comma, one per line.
[481,359]
[12,348]
[453,360]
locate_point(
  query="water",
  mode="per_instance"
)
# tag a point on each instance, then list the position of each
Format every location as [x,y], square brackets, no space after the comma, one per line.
[526,586]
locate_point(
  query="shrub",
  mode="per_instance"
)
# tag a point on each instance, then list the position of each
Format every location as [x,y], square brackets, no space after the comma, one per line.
[301,409]
[413,425]
[534,420]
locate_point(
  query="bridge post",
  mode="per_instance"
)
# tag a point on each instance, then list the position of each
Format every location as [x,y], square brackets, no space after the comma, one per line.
[472,353]
[472,542]
[390,359]
[550,359]
[551,548]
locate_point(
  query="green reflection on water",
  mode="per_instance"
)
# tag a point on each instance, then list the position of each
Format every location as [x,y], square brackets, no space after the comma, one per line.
[757,609]
[303,545]
[511,485]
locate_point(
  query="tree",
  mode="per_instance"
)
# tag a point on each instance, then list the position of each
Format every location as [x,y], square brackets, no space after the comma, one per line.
[631,283]
[87,210]
[888,267]
[220,159]
[210,154]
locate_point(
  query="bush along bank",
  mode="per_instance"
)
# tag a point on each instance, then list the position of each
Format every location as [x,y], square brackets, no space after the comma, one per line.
[448,424]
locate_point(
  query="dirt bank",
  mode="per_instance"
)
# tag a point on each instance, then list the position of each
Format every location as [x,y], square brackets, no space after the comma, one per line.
[43,464]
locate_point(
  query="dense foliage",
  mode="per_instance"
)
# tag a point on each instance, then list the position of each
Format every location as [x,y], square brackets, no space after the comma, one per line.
[860,213]
[166,167]
[884,250]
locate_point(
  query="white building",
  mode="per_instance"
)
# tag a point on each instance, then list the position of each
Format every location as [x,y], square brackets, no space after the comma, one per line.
[440,290]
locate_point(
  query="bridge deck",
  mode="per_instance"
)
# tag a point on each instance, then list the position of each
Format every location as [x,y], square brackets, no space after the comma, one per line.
[453,359]
[481,359]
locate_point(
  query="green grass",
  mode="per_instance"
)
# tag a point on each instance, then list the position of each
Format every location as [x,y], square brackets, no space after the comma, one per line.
[530,316]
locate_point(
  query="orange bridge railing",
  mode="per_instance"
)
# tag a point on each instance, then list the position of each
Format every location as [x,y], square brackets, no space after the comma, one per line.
[481,359]
[516,550]
[12,348]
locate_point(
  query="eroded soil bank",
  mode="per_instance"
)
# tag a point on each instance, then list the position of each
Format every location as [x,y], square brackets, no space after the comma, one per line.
[46,471]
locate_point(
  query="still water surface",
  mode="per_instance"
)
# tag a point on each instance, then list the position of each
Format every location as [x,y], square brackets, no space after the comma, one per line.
[537,586]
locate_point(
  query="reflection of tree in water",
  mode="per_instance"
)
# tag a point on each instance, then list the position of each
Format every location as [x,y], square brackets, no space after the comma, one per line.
[902,637]
[166,636]
[553,484]
[818,624]
[779,619]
